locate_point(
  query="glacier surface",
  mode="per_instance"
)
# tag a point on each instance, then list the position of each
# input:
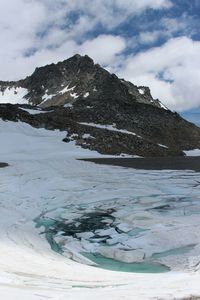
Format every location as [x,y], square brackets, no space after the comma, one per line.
[156,211]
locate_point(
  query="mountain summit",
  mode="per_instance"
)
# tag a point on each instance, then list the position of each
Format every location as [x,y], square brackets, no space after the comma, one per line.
[98,110]
[74,79]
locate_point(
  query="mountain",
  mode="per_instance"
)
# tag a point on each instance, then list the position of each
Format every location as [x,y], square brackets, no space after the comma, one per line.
[98,110]
[71,80]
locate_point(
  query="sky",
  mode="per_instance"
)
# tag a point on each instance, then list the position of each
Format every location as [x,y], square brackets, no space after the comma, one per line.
[154,43]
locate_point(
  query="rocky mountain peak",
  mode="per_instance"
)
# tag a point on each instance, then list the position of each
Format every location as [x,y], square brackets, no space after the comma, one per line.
[98,110]
[77,79]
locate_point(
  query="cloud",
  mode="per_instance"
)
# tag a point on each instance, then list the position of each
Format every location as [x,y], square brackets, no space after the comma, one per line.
[172,71]
[140,5]
[107,13]
[104,48]
[149,37]
[185,24]
[42,29]
[164,28]
[38,32]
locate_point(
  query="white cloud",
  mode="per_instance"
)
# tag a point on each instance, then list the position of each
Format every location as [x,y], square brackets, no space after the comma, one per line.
[172,71]
[184,24]
[17,28]
[149,37]
[46,26]
[166,28]
[109,13]
[139,5]
[104,48]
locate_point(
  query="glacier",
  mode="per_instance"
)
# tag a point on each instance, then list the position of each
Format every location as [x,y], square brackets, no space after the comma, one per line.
[156,211]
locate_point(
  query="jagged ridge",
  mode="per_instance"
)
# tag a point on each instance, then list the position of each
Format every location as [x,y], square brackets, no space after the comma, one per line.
[74,79]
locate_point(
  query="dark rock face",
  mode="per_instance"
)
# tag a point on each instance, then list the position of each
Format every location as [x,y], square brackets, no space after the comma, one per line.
[77,91]
[149,133]
[3,165]
[78,78]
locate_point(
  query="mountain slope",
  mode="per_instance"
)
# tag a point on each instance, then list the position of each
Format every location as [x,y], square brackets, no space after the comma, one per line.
[98,110]
[73,79]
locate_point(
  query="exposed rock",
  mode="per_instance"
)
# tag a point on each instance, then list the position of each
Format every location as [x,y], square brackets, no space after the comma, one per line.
[77,78]
[99,111]
[3,165]
[178,134]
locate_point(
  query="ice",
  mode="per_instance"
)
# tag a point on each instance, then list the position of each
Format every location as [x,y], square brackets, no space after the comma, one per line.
[103,232]
[88,246]
[85,235]
[124,227]
[195,152]
[131,256]
[45,179]
[120,238]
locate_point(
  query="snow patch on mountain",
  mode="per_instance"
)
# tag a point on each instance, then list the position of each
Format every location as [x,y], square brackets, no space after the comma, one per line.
[86,95]
[164,146]
[69,105]
[195,152]
[35,111]
[13,95]
[109,127]
[67,89]
[141,91]
[162,105]
[74,95]
[46,97]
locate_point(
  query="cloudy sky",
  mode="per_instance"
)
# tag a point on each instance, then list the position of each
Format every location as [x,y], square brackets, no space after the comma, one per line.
[149,42]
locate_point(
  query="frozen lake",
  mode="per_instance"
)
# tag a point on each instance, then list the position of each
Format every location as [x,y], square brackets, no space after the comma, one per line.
[153,221]
[90,214]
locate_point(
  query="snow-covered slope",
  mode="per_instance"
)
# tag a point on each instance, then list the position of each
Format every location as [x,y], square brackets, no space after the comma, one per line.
[13,95]
[80,91]
[44,176]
